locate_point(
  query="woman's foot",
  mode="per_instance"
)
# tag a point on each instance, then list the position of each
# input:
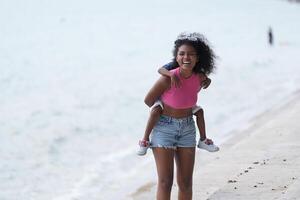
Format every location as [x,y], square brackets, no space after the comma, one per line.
[208,145]
[143,147]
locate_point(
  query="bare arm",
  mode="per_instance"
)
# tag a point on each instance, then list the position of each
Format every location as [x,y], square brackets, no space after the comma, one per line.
[163,71]
[205,81]
[161,85]
[174,79]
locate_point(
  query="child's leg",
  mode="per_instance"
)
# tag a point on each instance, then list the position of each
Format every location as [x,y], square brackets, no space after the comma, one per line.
[201,123]
[155,113]
[204,142]
[153,118]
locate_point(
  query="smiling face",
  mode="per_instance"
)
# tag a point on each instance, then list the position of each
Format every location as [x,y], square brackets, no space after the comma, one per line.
[186,57]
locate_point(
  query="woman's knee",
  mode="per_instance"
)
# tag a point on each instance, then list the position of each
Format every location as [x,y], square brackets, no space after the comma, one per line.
[165,183]
[185,184]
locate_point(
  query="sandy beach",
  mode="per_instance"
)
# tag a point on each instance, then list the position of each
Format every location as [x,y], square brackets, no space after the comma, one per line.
[73,81]
[261,162]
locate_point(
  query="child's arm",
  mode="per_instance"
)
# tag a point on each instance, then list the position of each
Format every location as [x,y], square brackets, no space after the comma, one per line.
[164,70]
[206,83]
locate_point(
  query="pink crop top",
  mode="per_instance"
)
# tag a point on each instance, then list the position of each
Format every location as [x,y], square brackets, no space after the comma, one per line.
[186,95]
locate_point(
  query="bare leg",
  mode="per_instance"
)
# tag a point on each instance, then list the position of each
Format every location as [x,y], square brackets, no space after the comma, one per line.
[153,118]
[185,159]
[201,124]
[164,159]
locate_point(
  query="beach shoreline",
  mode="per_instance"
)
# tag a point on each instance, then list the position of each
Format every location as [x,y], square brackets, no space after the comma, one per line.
[260,162]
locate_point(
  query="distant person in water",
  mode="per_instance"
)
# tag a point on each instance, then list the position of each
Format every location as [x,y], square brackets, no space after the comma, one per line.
[270,36]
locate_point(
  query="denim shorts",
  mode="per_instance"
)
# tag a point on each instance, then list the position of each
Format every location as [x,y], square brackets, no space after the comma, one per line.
[172,132]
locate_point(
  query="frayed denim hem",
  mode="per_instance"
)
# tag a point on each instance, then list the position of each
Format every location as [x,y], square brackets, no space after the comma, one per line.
[194,146]
[163,146]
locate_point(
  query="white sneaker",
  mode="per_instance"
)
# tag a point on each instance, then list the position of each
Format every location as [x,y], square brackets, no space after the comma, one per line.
[143,147]
[207,147]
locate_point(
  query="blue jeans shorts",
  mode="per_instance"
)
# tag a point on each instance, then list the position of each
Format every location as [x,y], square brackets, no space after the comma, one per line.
[172,132]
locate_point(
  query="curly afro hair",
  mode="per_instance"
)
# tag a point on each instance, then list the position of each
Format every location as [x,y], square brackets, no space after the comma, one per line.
[206,63]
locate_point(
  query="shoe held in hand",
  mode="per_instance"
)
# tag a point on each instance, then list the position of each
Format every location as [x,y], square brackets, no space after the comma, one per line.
[208,147]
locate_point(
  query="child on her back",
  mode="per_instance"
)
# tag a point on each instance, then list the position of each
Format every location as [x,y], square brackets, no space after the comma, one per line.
[156,110]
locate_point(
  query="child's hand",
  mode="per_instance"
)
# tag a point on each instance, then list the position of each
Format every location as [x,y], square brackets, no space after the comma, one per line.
[175,81]
[206,83]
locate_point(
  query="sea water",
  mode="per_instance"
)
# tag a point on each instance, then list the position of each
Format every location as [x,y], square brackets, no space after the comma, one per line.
[74,76]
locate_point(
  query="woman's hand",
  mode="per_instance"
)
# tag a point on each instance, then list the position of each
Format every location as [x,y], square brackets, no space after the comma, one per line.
[209,141]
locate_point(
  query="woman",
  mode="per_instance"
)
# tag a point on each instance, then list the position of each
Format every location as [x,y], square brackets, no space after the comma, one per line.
[174,135]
